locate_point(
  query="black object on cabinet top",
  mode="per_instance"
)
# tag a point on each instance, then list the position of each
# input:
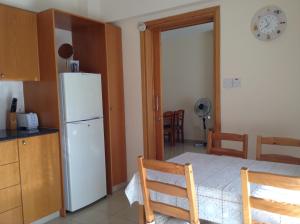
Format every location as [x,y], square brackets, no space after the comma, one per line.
[15,134]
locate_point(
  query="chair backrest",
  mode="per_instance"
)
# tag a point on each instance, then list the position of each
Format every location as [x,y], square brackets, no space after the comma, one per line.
[190,215]
[179,118]
[217,136]
[277,157]
[279,181]
[168,119]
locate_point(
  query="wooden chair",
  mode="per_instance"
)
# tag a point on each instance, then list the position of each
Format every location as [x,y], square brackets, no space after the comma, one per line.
[286,182]
[276,157]
[169,126]
[190,215]
[178,125]
[216,136]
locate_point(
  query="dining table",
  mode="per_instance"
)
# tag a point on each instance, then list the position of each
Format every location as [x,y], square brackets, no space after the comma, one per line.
[218,188]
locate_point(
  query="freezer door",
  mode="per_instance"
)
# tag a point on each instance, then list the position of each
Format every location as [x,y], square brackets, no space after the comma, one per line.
[81,96]
[86,163]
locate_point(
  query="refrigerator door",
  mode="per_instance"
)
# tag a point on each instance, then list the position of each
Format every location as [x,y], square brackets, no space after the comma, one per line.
[81,96]
[85,159]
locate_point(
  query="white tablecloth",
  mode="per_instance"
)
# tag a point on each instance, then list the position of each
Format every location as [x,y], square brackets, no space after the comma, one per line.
[218,187]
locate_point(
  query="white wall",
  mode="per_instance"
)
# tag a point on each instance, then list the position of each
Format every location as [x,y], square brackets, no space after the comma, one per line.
[187,63]
[9,90]
[132,83]
[267,102]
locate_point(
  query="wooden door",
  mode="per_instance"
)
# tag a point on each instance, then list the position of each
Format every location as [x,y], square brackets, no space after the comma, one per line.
[115,90]
[40,176]
[19,44]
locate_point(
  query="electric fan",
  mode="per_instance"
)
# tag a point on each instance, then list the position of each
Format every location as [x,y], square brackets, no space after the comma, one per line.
[202,108]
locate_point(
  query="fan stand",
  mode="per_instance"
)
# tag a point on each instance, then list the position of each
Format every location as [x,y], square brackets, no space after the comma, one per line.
[203,143]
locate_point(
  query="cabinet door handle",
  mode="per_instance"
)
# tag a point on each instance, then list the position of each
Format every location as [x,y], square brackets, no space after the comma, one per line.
[24,142]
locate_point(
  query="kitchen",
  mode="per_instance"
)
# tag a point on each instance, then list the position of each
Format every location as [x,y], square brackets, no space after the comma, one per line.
[32,161]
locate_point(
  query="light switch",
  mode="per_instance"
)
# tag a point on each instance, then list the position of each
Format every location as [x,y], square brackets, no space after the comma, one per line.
[227,83]
[236,82]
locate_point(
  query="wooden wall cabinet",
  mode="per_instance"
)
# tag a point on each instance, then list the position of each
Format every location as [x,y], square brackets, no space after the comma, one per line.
[19,58]
[40,176]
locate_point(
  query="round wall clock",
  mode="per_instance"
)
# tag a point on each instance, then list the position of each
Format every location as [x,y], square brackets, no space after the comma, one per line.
[269,23]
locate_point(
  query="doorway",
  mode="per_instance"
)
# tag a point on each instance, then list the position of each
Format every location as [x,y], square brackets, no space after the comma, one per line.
[152,77]
[187,88]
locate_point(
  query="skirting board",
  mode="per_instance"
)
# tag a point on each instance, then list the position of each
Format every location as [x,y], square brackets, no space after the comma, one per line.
[119,187]
[47,218]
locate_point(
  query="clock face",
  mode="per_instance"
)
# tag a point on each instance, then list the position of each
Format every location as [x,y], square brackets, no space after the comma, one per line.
[268,23]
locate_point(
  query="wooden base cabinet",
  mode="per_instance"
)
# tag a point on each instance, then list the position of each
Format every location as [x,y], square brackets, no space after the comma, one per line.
[13,216]
[40,176]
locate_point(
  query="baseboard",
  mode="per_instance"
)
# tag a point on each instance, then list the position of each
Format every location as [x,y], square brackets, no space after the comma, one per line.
[119,187]
[47,218]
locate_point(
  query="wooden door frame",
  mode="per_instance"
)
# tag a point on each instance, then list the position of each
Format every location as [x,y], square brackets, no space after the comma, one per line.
[151,74]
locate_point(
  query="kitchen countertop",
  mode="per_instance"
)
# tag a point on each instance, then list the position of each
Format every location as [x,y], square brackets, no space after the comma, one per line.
[15,134]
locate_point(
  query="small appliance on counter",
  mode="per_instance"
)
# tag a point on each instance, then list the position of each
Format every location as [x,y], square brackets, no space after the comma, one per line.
[27,121]
[11,116]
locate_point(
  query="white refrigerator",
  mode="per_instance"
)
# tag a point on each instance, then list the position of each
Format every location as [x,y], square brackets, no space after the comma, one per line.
[82,139]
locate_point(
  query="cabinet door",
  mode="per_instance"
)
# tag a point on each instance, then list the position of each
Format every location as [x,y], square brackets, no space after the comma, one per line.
[40,176]
[27,46]
[8,62]
[116,104]
[19,45]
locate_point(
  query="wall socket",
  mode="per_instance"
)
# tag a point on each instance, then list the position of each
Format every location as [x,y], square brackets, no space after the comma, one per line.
[229,83]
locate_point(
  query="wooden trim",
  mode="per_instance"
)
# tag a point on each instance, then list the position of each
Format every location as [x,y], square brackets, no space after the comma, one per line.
[276,207]
[277,157]
[258,148]
[164,167]
[151,77]
[190,188]
[167,189]
[190,215]
[145,191]
[245,196]
[170,210]
[280,159]
[280,141]
[214,137]
[183,20]
[268,179]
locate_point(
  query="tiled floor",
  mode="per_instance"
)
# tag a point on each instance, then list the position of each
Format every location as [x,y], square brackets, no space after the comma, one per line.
[114,209]
[180,148]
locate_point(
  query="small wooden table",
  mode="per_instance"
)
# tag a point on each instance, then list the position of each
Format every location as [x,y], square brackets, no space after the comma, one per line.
[218,187]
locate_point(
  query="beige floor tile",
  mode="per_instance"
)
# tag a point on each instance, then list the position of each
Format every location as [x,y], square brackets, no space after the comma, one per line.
[180,148]
[130,214]
[113,209]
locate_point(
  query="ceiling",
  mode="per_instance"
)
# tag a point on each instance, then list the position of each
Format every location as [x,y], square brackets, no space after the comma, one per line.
[106,10]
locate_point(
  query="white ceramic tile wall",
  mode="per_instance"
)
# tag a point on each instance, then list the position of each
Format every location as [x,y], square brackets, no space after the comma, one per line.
[9,90]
